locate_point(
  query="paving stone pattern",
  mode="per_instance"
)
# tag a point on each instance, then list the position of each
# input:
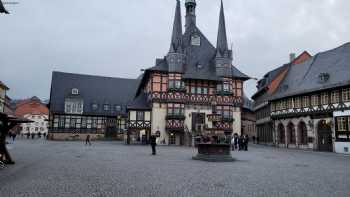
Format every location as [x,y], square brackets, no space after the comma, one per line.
[49,169]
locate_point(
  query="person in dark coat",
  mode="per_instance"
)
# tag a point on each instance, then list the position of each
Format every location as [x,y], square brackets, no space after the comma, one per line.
[153,143]
[87,140]
[240,142]
[246,140]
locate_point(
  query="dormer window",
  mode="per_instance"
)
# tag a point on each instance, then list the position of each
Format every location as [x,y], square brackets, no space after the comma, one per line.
[195,40]
[75,91]
[323,77]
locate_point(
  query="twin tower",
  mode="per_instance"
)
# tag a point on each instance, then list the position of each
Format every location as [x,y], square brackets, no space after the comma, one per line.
[182,44]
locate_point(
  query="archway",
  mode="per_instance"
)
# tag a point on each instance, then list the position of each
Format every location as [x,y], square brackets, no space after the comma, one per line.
[291,133]
[302,133]
[324,132]
[281,134]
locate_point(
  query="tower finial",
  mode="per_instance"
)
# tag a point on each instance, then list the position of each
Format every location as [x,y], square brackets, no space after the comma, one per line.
[221,44]
[190,12]
[176,38]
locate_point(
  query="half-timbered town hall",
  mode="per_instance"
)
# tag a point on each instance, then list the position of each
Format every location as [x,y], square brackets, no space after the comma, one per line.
[193,90]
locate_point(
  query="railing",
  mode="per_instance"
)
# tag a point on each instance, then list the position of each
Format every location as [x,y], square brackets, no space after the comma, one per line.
[139,124]
[178,125]
[201,99]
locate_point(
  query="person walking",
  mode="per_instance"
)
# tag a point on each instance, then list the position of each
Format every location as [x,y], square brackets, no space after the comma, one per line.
[246,140]
[240,142]
[14,136]
[87,140]
[153,143]
[233,143]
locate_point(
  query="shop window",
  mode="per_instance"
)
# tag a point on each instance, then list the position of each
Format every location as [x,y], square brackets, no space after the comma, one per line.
[341,123]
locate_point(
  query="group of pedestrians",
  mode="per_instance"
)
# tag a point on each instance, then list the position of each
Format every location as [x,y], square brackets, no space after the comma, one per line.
[240,143]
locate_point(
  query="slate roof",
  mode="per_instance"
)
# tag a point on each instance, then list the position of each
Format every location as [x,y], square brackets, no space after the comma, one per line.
[92,89]
[202,55]
[305,77]
[140,103]
[267,79]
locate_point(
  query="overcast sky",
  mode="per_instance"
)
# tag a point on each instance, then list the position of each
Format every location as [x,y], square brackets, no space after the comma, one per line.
[118,38]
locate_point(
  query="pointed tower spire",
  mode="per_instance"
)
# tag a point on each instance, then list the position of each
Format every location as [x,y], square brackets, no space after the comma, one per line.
[190,13]
[222,38]
[2,8]
[176,38]
[175,56]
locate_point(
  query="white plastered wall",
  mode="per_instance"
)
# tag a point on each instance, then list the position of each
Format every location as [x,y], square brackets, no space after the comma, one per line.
[159,122]
[237,124]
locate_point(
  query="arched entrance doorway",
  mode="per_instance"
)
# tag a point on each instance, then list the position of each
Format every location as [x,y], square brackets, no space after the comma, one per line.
[281,134]
[291,133]
[302,133]
[324,132]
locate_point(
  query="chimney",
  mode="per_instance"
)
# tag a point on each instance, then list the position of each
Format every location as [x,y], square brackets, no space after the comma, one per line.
[292,57]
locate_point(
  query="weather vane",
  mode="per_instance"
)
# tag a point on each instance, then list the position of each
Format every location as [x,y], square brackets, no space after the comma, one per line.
[2,8]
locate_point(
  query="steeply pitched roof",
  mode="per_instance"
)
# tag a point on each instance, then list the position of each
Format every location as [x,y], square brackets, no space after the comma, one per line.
[307,76]
[93,90]
[265,82]
[140,103]
[199,63]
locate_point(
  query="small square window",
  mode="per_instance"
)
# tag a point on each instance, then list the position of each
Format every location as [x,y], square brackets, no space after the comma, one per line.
[75,91]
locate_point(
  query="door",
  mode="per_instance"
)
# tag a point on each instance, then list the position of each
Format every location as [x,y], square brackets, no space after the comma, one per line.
[197,119]
[324,137]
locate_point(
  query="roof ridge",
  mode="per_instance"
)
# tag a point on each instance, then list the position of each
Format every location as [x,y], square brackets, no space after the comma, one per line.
[90,75]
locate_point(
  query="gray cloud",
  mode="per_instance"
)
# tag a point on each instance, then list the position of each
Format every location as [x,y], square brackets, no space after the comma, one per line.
[118,38]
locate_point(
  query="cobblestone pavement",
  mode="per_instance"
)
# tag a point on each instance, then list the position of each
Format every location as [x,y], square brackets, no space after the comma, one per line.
[48,169]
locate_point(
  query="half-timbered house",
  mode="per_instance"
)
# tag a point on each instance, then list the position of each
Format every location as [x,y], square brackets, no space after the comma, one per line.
[266,88]
[311,107]
[193,90]
[83,105]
